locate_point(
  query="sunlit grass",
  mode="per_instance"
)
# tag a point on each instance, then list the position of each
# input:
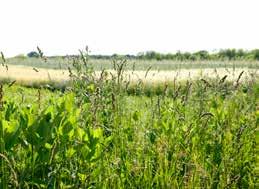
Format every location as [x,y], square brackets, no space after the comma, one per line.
[118,129]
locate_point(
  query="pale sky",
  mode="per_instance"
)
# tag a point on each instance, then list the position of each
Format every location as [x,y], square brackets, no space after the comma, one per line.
[62,27]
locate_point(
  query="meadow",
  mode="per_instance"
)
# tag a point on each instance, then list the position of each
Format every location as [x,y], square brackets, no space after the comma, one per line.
[62,63]
[37,72]
[106,131]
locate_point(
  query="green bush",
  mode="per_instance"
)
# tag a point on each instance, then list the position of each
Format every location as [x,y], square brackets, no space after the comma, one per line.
[33,54]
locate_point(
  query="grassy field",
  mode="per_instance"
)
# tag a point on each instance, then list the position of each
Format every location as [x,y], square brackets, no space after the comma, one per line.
[64,63]
[106,132]
[59,78]
[37,72]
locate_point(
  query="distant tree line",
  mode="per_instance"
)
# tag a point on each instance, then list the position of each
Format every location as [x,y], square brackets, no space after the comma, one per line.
[225,54]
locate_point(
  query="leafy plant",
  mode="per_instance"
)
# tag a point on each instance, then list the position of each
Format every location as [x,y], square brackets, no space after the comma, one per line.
[105,132]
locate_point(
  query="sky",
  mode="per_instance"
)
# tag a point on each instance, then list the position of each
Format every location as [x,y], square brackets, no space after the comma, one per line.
[61,27]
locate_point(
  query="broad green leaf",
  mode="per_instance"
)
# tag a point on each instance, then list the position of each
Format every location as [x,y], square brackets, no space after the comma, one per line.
[12,130]
[70,152]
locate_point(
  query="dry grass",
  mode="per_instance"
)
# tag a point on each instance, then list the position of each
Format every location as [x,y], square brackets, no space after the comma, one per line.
[28,74]
[25,74]
[187,74]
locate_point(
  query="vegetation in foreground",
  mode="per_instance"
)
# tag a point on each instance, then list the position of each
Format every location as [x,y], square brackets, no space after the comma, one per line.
[103,134]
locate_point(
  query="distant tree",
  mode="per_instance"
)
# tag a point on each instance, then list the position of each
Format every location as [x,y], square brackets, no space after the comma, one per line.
[20,56]
[192,57]
[141,55]
[229,54]
[186,56]
[179,56]
[240,54]
[202,55]
[114,56]
[255,54]
[170,56]
[150,55]
[33,54]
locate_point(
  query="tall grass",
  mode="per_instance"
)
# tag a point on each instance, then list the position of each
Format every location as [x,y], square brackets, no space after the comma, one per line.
[193,134]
